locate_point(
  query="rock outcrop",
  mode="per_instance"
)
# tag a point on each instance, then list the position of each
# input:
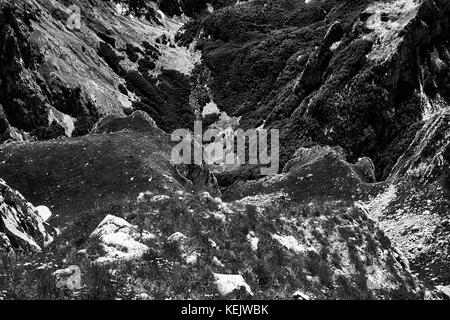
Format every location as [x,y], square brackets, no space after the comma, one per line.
[228,283]
[137,121]
[21,227]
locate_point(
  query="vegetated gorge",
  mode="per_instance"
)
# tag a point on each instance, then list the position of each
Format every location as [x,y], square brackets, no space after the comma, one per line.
[92,207]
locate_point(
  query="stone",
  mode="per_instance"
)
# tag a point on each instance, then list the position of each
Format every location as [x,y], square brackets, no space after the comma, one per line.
[253,241]
[227,284]
[217,262]
[445,290]
[120,240]
[44,212]
[177,237]
[290,243]
[298,295]
[69,278]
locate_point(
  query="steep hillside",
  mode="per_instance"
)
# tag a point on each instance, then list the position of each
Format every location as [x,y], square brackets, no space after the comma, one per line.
[58,80]
[414,207]
[358,74]
[71,176]
[270,245]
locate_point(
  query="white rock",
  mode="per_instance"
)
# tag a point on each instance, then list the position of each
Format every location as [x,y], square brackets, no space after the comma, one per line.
[191,258]
[159,198]
[120,240]
[445,290]
[44,212]
[142,196]
[253,240]
[290,243]
[64,120]
[46,266]
[219,216]
[212,243]
[177,237]
[68,278]
[206,194]
[82,252]
[143,296]
[375,278]
[298,295]
[217,262]
[226,284]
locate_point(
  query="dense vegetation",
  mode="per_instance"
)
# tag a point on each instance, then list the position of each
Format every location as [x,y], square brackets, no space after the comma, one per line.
[273,62]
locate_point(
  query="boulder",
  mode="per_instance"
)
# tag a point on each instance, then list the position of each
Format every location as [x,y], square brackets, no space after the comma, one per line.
[69,278]
[188,254]
[177,238]
[119,240]
[64,121]
[298,295]
[227,284]
[365,169]
[444,290]
[44,212]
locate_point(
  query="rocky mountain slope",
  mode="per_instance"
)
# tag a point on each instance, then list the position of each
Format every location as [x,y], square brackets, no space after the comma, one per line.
[58,80]
[414,208]
[358,89]
[268,245]
[358,74]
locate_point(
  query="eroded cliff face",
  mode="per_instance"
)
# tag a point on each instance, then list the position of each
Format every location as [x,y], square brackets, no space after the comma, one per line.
[35,97]
[57,80]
